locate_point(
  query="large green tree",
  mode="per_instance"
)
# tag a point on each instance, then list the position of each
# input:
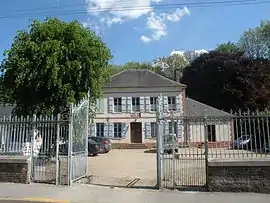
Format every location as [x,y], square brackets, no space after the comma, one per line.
[52,64]
[134,65]
[229,81]
[256,42]
[229,47]
[170,63]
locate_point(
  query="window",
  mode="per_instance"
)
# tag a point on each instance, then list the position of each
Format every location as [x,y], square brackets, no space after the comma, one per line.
[117,104]
[172,103]
[100,129]
[117,130]
[211,131]
[136,104]
[153,129]
[153,103]
[173,127]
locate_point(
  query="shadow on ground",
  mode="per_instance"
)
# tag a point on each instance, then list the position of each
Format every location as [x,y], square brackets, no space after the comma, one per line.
[111,182]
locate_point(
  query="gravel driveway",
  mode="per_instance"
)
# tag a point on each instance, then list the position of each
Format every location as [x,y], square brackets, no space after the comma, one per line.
[123,167]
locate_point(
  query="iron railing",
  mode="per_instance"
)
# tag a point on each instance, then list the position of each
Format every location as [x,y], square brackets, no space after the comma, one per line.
[57,145]
[234,136]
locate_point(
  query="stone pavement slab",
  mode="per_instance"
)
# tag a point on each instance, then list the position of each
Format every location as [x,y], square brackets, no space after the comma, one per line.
[98,194]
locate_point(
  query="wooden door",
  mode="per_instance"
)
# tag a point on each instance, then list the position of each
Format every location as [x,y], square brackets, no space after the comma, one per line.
[136,132]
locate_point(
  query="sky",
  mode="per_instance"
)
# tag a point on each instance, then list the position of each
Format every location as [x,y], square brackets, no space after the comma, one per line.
[141,30]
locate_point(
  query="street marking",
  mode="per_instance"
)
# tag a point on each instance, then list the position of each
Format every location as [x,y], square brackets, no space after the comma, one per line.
[46,200]
[34,200]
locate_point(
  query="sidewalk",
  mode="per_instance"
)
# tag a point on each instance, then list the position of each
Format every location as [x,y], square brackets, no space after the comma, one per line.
[99,194]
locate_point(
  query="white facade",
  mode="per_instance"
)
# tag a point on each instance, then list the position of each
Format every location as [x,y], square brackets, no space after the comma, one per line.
[220,132]
[135,92]
[114,115]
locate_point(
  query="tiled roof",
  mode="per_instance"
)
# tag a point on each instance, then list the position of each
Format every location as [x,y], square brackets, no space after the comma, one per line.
[141,78]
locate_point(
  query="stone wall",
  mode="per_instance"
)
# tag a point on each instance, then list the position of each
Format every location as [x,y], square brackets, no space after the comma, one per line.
[14,169]
[239,175]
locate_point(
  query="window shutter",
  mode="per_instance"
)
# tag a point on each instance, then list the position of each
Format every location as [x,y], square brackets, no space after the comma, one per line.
[147,130]
[111,130]
[106,130]
[143,130]
[179,129]
[129,104]
[110,101]
[100,106]
[124,130]
[147,104]
[142,108]
[124,104]
[178,103]
[165,103]
[166,128]
[93,129]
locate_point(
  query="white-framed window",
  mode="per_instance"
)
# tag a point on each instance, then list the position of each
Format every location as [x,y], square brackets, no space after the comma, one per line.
[173,126]
[153,129]
[100,129]
[136,104]
[172,103]
[117,127]
[117,103]
[153,103]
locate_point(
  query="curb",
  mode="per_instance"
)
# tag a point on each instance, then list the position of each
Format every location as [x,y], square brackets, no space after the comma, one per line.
[41,200]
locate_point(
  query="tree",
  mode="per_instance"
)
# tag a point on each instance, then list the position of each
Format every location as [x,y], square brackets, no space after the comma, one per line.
[170,63]
[256,42]
[229,47]
[191,55]
[52,64]
[229,81]
[134,65]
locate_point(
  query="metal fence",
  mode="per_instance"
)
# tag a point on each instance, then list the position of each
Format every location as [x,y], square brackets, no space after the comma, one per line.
[56,145]
[184,156]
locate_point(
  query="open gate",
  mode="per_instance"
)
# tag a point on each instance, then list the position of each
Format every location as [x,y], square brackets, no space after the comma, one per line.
[78,141]
[180,164]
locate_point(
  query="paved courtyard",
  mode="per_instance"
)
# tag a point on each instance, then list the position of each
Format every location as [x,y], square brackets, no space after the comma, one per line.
[123,167]
[134,168]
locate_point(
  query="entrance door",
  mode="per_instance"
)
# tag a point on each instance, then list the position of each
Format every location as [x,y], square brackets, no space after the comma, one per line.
[136,132]
[211,130]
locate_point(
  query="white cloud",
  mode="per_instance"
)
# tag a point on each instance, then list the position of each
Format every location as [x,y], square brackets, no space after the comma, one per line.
[119,11]
[145,39]
[177,15]
[191,54]
[195,52]
[109,21]
[156,23]
[123,10]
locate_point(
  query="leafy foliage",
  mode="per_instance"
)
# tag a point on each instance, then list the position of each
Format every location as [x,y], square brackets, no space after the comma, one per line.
[134,65]
[256,42]
[170,63]
[229,47]
[52,64]
[229,81]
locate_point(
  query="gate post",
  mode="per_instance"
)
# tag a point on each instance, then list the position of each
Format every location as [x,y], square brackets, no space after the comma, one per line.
[70,146]
[32,160]
[173,148]
[159,140]
[57,172]
[206,148]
